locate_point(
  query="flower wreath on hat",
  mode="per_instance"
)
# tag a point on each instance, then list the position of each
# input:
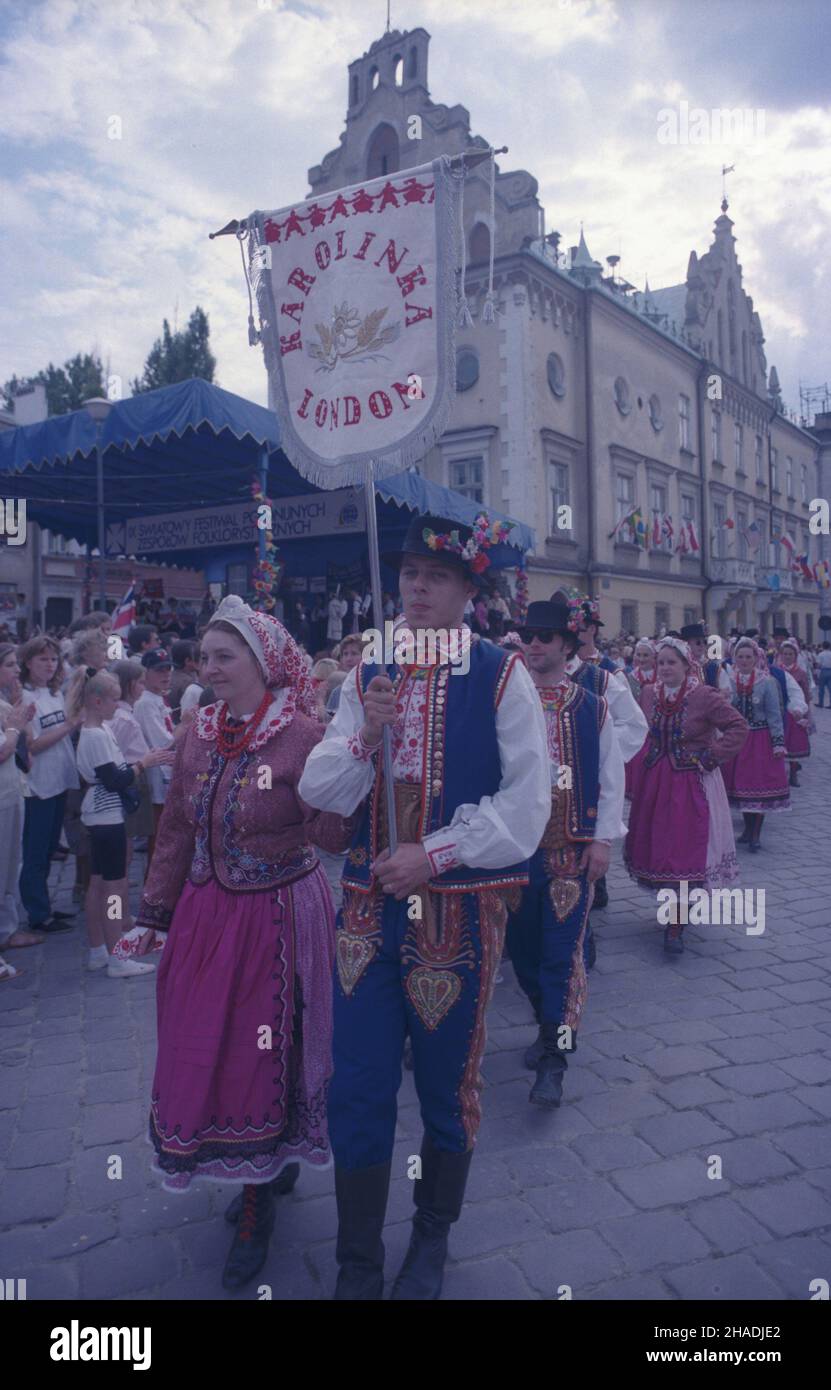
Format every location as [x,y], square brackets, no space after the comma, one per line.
[473,552]
[584,609]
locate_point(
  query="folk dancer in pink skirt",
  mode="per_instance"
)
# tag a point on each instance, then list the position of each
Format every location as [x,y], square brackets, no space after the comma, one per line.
[797,725]
[680,827]
[245,982]
[757,778]
[643,673]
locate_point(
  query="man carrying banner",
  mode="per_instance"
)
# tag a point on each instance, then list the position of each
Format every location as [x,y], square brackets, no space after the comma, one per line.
[545,934]
[421,930]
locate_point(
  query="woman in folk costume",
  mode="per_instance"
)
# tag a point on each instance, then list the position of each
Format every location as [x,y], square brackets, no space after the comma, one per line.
[680,827]
[797,726]
[245,981]
[756,778]
[643,673]
[421,930]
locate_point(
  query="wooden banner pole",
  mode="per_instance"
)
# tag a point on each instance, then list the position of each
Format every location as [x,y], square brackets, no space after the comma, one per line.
[378,615]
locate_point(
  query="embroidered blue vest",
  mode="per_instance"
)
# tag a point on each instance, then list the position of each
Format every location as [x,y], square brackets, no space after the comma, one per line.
[461,763]
[579,719]
[592,677]
[606,664]
[711,670]
[779,676]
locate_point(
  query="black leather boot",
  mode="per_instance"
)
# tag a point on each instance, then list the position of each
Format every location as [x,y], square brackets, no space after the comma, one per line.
[439,1194]
[250,1244]
[591,948]
[601,895]
[547,1090]
[362,1205]
[793,780]
[280,1186]
[744,838]
[534,1052]
[755,834]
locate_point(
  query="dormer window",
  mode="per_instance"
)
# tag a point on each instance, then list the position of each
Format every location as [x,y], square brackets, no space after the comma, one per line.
[398,70]
[374,78]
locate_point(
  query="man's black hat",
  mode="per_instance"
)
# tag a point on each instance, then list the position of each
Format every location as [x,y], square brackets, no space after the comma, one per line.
[415,543]
[550,616]
[691,631]
[751,632]
[781,632]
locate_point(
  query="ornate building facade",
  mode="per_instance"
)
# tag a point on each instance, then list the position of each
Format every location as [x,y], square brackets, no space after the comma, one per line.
[648,422]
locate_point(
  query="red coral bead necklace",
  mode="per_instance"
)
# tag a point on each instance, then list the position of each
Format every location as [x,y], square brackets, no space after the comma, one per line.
[233,741]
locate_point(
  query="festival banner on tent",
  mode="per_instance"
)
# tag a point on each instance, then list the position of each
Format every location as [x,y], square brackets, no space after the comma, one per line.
[357,298]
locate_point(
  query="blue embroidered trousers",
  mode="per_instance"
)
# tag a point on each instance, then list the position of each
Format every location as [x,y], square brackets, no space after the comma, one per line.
[392,978]
[546,938]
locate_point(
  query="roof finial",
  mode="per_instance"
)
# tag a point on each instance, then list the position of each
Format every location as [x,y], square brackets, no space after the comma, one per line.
[725,170]
[388,17]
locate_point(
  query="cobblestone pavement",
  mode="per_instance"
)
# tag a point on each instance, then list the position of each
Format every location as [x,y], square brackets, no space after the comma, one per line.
[725,1051]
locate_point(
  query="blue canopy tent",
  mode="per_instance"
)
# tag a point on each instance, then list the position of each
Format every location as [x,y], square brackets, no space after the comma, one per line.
[191,446]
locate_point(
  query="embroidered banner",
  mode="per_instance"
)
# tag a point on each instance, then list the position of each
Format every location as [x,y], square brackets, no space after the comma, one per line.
[357,293]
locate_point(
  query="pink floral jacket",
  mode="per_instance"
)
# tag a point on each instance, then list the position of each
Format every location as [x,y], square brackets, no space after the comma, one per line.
[238,821]
[702,731]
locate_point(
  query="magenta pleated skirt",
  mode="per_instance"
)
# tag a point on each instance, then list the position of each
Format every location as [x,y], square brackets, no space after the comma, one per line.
[632,767]
[755,779]
[244,1003]
[679,828]
[797,740]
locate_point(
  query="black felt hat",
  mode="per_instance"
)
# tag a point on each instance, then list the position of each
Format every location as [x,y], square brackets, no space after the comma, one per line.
[551,616]
[781,632]
[416,544]
[691,631]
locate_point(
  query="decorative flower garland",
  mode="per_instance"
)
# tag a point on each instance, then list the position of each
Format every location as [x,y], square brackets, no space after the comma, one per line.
[583,609]
[486,533]
[266,573]
[521,592]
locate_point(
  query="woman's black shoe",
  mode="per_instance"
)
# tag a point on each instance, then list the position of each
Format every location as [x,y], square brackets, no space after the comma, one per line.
[280,1186]
[51,925]
[250,1245]
[64,916]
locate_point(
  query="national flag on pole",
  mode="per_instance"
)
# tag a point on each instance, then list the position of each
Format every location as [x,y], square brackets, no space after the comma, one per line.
[656,530]
[753,535]
[693,537]
[823,574]
[802,567]
[640,529]
[125,614]
[667,528]
[786,542]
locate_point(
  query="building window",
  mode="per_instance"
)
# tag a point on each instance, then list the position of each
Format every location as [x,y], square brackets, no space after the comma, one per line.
[625,503]
[803,482]
[412,65]
[719,518]
[715,435]
[690,616]
[398,70]
[480,244]
[688,507]
[629,617]
[356,89]
[556,374]
[656,418]
[560,496]
[661,618]
[789,475]
[684,422]
[757,456]
[774,470]
[374,78]
[738,444]
[467,369]
[658,510]
[467,477]
[383,157]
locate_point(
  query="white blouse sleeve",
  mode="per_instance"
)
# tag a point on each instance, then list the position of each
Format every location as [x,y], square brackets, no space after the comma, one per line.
[340,770]
[627,716]
[610,824]
[509,825]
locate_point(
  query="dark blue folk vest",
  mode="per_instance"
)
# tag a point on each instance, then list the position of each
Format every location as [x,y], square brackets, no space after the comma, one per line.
[592,676]
[779,676]
[461,765]
[711,670]
[579,720]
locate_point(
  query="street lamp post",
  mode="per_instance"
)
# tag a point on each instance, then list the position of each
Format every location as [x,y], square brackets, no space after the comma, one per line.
[99,408]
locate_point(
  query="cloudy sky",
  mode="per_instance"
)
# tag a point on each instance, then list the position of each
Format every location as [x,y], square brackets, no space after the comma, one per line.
[224,105]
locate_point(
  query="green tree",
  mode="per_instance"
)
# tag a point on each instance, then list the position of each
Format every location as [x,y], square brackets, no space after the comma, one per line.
[178,356]
[67,387]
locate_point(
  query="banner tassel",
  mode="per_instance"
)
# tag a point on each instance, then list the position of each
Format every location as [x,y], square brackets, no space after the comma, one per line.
[464,318]
[489,309]
[253,335]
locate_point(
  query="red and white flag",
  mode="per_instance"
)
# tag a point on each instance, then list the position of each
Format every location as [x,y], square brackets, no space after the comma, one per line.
[693,537]
[125,614]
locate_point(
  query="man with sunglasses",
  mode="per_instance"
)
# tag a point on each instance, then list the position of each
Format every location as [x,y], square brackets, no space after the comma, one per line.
[546,933]
[599,675]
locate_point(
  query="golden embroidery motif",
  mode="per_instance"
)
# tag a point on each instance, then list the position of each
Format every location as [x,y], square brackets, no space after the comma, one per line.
[432,993]
[353,954]
[565,895]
